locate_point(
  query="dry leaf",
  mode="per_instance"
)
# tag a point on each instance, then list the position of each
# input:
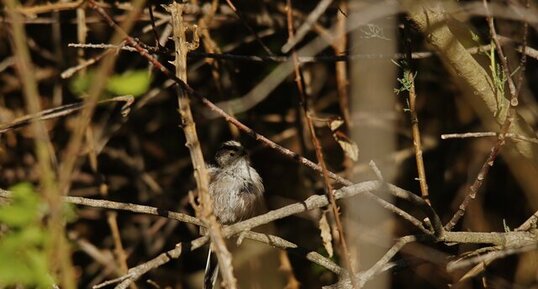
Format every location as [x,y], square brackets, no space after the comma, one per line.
[349,147]
[335,123]
[326,236]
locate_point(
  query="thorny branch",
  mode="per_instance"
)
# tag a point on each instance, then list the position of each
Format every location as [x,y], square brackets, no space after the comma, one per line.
[501,139]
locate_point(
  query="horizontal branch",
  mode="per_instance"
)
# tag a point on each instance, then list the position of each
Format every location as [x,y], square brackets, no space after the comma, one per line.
[104,204]
[505,239]
[529,51]
[514,241]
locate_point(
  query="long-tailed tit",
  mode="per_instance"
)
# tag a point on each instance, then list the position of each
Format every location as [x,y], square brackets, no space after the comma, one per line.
[236,190]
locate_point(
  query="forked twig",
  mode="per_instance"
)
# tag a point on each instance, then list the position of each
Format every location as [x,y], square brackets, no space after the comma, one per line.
[501,139]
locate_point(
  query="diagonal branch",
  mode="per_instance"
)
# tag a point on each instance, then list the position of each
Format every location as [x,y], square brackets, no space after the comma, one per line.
[303,100]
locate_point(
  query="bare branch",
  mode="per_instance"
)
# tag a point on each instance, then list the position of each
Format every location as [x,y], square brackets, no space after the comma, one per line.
[192,142]
[303,100]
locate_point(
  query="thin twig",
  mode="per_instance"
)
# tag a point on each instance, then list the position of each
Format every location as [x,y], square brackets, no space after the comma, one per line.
[281,243]
[489,257]
[6,63]
[101,46]
[153,27]
[211,46]
[523,60]
[49,7]
[136,272]
[501,139]
[249,28]
[488,134]
[380,266]
[105,204]
[82,33]
[530,223]
[409,79]
[342,81]
[312,18]
[62,111]
[120,252]
[436,224]
[340,57]
[473,189]
[83,64]
[317,146]
[111,281]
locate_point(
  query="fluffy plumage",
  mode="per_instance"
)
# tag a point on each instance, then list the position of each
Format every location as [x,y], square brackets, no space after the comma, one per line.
[235,187]
[236,190]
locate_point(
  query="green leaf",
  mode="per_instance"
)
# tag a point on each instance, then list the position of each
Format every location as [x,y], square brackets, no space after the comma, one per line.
[80,84]
[69,212]
[23,208]
[23,257]
[134,82]
[28,269]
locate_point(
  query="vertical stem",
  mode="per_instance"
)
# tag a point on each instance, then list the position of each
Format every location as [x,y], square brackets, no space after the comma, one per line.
[58,249]
[319,153]
[192,142]
[82,31]
[415,130]
[341,66]
[417,143]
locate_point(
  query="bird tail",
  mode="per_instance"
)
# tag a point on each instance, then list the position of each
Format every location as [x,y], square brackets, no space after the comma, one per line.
[211,270]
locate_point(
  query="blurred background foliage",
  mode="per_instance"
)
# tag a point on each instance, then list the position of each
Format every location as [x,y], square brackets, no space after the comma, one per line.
[141,158]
